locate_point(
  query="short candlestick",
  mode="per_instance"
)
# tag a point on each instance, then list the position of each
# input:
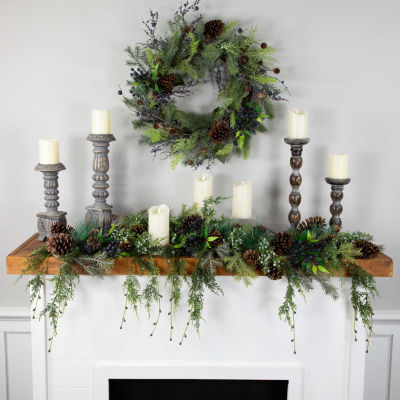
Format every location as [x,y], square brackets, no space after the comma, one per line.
[100,210]
[296,161]
[47,218]
[336,208]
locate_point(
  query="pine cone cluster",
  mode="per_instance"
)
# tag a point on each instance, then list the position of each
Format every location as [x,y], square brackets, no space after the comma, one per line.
[60,244]
[218,241]
[282,242]
[318,221]
[93,244]
[251,257]
[213,28]
[274,273]
[139,229]
[126,246]
[60,227]
[167,82]
[192,223]
[368,249]
[219,132]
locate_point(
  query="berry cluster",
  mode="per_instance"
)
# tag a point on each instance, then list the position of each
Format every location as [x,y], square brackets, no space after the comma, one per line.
[303,253]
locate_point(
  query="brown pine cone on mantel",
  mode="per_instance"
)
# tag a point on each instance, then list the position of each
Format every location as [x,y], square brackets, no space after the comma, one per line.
[251,257]
[60,244]
[282,243]
[368,249]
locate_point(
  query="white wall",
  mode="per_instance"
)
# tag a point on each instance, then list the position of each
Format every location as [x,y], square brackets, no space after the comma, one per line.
[60,59]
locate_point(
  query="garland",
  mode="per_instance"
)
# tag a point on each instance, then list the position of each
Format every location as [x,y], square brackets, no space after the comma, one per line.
[310,255]
[166,68]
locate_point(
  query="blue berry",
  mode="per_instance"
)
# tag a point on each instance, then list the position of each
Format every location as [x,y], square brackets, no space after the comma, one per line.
[120,92]
[240,30]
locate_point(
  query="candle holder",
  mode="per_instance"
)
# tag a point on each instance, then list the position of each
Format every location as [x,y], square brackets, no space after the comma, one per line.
[100,210]
[296,161]
[336,208]
[47,218]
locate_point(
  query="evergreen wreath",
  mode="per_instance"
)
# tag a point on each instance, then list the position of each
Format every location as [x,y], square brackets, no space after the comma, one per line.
[166,68]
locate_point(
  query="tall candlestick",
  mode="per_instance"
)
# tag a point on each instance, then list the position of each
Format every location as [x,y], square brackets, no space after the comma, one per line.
[298,124]
[101,122]
[48,151]
[338,166]
[100,211]
[159,223]
[296,161]
[203,188]
[242,201]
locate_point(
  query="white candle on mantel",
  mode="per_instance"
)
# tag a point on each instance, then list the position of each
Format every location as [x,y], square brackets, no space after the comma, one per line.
[203,188]
[48,151]
[298,124]
[159,223]
[101,122]
[338,166]
[242,201]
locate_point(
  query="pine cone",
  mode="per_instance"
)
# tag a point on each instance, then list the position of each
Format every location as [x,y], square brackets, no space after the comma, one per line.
[213,28]
[93,244]
[274,273]
[368,249]
[60,227]
[60,244]
[139,229]
[282,242]
[126,246]
[219,132]
[167,82]
[251,257]
[192,223]
[310,222]
[244,59]
[218,241]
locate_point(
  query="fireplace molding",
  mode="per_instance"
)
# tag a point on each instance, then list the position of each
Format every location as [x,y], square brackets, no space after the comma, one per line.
[103,371]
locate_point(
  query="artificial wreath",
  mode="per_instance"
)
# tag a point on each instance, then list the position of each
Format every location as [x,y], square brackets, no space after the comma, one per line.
[167,68]
[313,253]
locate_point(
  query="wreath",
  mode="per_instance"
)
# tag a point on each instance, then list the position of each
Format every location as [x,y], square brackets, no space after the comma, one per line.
[166,68]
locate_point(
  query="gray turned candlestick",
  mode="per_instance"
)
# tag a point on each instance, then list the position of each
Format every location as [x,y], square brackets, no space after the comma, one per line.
[47,218]
[100,210]
[336,208]
[296,161]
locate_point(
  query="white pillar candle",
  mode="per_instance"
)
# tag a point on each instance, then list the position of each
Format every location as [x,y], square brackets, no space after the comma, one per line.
[48,151]
[338,166]
[297,124]
[202,188]
[101,122]
[242,200]
[159,223]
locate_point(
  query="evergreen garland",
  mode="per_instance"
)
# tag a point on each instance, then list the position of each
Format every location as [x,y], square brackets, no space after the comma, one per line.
[168,67]
[313,256]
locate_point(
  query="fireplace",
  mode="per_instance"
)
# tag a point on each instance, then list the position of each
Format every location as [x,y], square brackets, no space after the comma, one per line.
[197,389]
[197,380]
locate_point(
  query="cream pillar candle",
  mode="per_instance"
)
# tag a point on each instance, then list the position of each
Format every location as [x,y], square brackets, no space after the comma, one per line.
[298,124]
[203,188]
[101,122]
[48,151]
[242,200]
[159,223]
[338,166]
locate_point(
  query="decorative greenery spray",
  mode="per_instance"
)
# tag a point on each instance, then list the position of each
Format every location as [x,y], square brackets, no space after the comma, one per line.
[311,255]
[166,68]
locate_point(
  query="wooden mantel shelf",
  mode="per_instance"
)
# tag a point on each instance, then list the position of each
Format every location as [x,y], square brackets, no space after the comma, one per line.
[380,266]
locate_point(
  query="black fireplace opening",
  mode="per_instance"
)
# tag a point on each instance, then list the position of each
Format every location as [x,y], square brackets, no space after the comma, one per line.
[197,389]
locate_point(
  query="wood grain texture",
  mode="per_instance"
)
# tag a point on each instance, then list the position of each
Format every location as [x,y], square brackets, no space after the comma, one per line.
[380,266]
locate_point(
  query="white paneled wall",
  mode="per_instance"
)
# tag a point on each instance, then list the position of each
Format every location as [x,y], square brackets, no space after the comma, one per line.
[15,354]
[383,361]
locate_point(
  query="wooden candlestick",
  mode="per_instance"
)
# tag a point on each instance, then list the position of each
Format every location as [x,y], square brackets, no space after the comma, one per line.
[336,208]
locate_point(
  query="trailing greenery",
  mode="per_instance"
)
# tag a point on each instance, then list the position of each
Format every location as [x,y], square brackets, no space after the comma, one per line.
[168,67]
[201,246]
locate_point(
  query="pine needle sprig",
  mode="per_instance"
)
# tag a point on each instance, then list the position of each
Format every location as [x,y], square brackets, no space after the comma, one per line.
[242,272]
[82,230]
[133,297]
[97,264]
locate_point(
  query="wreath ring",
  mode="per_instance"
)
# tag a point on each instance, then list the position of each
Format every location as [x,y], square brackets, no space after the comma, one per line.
[166,68]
